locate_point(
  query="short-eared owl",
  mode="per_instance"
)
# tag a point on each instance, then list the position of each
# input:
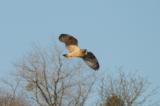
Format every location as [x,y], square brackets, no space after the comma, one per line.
[75,51]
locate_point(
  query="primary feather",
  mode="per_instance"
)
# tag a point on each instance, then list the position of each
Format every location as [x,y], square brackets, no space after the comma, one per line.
[68,39]
[91,60]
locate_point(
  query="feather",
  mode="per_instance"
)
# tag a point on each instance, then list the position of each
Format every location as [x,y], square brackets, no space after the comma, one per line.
[91,60]
[68,39]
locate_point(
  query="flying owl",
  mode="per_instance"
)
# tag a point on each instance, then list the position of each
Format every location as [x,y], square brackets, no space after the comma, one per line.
[74,50]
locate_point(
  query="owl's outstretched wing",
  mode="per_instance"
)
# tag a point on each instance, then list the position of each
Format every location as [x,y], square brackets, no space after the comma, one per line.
[68,39]
[91,60]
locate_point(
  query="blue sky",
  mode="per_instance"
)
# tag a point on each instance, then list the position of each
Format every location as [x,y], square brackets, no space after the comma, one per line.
[120,32]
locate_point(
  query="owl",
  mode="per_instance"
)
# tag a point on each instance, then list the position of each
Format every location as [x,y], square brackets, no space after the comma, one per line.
[74,50]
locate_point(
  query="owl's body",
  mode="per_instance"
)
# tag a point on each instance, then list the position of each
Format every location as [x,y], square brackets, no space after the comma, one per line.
[75,51]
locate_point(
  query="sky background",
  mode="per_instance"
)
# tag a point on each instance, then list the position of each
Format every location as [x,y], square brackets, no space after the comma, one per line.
[120,32]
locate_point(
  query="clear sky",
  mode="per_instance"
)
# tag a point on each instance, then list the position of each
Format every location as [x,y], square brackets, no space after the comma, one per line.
[120,32]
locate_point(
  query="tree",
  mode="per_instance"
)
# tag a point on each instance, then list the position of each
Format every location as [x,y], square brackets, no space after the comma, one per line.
[126,90]
[51,80]
[9,95]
